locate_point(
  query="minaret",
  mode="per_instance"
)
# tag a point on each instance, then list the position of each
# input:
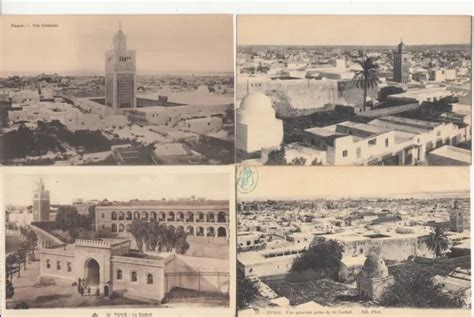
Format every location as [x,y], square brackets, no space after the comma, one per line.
[40,202]
[456,218]
[401,64]
[120,68]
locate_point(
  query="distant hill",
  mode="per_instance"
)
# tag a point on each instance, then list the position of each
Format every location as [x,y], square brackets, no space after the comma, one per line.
[440,47]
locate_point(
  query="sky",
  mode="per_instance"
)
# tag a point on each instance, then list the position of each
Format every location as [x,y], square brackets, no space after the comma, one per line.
[352,30]
[352,182]
[64,188]
[163,43]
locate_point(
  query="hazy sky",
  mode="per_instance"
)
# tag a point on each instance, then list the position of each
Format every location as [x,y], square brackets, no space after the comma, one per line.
[352,30]
[66,187]
[297,182]
[163,43]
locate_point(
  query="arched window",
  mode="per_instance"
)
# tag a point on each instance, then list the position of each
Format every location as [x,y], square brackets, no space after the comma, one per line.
[114,215]
[200,217]
[221,217]
[129,215]
[69,267]
[119,275]
[58,265]
[153,215]
[221,232]
[134,277]
[210,217]
[121,216]
[189,216]
[211,232]
[136,215]
[121,228]
[114,227]
[149,279]
[48,264]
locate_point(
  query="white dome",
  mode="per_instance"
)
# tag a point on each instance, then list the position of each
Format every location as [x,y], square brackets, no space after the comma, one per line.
[256,102]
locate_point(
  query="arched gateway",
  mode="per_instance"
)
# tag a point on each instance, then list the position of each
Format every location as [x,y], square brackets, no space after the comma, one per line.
[92,272]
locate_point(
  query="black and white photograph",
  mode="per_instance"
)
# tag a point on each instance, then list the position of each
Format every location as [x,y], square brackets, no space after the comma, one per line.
[353,90]
[353,240]
[119,239]
[117,90]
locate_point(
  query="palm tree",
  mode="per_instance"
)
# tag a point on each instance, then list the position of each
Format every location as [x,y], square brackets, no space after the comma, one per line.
[367,77]
[437,241]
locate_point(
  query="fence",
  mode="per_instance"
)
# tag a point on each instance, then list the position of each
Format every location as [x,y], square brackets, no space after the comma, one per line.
[208,282]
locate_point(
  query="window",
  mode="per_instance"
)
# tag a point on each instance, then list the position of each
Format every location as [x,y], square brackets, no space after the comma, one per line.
[103,215]
[48,264]
[344,153]
[359,152]
[149,279]
[58,265]
[69,267]
[386,142]
[114,215]
[134,277]
[119,275]
[373,142]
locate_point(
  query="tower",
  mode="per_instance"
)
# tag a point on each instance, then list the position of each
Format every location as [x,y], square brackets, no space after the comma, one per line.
[456,218]
[120,68]
[401,64]
[40,202]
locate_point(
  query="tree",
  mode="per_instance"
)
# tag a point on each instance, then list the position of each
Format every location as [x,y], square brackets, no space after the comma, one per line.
[437,241]
[298,161]
[30,239]
[246,291]
[9,289]
[138,230]
[322,255]
[181,245]
[367,77]
[21,257]
[68,219]
[277,157]
[417,290]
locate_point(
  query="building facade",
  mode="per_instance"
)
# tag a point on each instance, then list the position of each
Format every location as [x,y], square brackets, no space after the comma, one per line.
[120,68]
[199,219]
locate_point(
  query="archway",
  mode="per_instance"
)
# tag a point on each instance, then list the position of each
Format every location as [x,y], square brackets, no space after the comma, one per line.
[92,273]
[221,232]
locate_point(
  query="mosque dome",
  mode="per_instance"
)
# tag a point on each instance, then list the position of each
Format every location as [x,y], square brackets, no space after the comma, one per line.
[256,102]
[374,266]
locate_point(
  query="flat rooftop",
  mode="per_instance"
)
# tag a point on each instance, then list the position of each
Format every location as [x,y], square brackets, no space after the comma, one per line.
[454,153]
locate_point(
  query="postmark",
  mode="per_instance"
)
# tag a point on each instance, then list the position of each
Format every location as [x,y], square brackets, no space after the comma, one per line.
[247,179]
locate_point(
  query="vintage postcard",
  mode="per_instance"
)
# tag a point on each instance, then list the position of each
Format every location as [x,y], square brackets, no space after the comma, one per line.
[353,241]
[117,90]
[138,241]
[353,90]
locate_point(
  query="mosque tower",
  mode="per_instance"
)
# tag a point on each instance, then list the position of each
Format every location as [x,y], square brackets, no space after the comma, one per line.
[120,69]
[40,202]
[401,64]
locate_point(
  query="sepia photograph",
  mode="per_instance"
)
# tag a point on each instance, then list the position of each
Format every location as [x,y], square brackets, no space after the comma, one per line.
[119,239]
[353,90]
[353,240]
[117,90]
